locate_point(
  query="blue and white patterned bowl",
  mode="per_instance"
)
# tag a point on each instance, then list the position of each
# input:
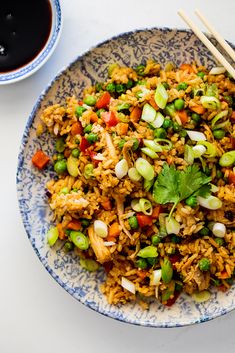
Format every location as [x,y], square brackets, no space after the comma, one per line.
[127,49]
[43,55]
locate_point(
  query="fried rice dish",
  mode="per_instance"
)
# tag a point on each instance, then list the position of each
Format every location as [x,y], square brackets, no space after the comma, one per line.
[144,180]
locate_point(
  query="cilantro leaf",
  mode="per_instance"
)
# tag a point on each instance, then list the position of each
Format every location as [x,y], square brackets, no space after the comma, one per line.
[173,186]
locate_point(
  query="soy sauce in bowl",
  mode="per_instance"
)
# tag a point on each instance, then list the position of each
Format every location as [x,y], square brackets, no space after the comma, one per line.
[25,27]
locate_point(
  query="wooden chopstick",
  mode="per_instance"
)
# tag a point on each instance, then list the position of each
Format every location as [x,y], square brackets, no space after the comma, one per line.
[217,35]
[207,43]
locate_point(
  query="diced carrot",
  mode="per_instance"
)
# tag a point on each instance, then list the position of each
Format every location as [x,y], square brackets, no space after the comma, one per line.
[183,116]
[114,230]
[111,239]
[60,231]
[74,225]
[80,103]
[106,204]
[169,160]
[156,211]
[67,152]
[142,274]
[231,177]
[76,129]
[122,128]
[94,117]
[187,67]
[40,159]
[103,101]
[224,275]
[199,109]
[135,114]
[152,102]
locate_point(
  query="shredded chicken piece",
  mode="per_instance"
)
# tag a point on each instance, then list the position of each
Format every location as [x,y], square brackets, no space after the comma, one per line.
[201,279]
[120,211]
[111,148]
[97,243]
[126,151]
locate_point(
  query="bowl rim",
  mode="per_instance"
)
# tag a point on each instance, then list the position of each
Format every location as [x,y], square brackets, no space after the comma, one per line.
[46,52]
[20,161]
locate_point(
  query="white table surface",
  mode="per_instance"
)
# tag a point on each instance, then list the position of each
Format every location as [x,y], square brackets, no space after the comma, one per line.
[36,314]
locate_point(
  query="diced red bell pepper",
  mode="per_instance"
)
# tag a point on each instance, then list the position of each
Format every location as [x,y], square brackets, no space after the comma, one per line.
[103,101]
[144,220]
[109,118]
[40,159]
[92,155]
[231,178]
[84,144]
[80,103]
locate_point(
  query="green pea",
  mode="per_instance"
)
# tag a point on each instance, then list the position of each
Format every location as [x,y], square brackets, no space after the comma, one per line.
[140,70]
[160,133]
[59,156]
[179,104]
[68,246]
[120,88]
[167,123]
[148,251]
[92,138]
[196,118]
[80,110]
[204,231]
[176,127]
[182,86]
[88,171]
[204,264]
[133,222]
[79,239]
[111,87]
[219,134]
[90,100]
[151,261]
[165,85]
[85,222]
[75,152]
[102,110]
[156,239]
[167,271]
[60,145]
[121,143]
[88,129]
[60,166]
[64,190]
[98,86]
[201,74]
[135,145]
[183,133]
[191,201]
[175,239]
[170,110]
[142,264]
[219,241]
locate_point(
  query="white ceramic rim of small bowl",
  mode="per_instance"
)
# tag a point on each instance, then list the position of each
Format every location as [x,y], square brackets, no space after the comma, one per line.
[29,123]
[46,52]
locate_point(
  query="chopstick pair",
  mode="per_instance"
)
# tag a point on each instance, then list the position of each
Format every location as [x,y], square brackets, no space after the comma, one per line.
[208,44]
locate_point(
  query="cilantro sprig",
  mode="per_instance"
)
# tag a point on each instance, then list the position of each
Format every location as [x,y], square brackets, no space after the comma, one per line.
[173,186]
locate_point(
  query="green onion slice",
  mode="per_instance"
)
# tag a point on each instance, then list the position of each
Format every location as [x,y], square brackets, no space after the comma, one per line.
[211,150]
[227,159]
[146,206]
[149,152]
[211,103]
[161,96]
[164,143]
[148,113]
[152,145]
[218,117]
[144,168]
[188,154]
